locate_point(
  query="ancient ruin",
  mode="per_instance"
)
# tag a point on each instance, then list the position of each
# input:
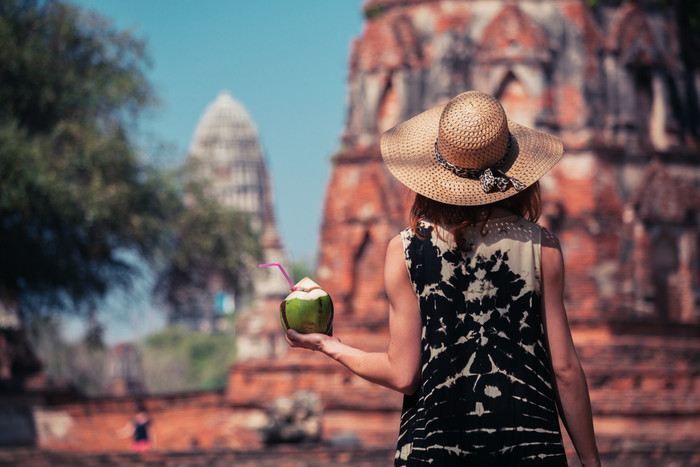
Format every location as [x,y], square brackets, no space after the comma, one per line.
[619,85]
[227,156]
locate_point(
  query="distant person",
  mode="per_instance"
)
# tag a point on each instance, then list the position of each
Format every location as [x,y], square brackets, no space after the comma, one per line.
[194,443]
[479,339]
[138,429]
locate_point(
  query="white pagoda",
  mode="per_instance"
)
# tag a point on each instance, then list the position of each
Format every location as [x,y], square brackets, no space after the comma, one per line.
[226,152]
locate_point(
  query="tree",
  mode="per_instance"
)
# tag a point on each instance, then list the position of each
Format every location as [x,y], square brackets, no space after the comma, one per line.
[80,211]
[177,359]
[73,191]
[302,268]
[213,250]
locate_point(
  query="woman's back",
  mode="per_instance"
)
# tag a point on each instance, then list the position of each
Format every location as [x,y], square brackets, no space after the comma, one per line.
[470,352]
[486,389]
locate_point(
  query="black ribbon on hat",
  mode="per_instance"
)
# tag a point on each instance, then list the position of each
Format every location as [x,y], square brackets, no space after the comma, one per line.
[489,177]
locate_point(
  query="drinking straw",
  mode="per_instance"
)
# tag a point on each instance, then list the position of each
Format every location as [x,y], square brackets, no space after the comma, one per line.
[281,269]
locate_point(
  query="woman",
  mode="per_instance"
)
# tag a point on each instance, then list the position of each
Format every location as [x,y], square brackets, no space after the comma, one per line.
[479,340]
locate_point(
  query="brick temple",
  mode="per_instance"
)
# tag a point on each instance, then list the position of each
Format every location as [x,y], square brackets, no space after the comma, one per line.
[619,87]
[619,84]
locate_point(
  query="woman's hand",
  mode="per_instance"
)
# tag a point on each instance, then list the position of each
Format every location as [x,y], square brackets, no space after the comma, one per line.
[398,367]
[314,341]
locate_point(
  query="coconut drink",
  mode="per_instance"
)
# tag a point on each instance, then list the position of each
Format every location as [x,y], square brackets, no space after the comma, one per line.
[308,308]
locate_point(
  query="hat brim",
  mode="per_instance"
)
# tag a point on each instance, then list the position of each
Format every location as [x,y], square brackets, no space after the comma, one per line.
[408,150]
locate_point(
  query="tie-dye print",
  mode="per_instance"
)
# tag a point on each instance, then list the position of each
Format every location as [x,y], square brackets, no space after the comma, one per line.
[486,394]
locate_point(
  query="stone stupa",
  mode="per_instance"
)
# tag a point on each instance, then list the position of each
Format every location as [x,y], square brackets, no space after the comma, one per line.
[227,153]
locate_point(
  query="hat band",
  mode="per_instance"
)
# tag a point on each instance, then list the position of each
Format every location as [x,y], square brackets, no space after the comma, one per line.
[489,177]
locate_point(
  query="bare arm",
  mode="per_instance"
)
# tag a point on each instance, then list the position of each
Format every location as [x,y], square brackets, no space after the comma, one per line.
[399,367]
[570,382]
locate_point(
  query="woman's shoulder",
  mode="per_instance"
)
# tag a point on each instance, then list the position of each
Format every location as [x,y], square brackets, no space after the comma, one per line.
[422,229]
[396,240]
[549,240]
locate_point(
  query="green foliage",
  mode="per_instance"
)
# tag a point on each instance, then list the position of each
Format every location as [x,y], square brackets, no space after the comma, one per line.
[375,12]
[82,363]
[60,66]
[76,198]
[75,195]
[301,269]
[180,360]
[173,360]
[210,243]
[73,192]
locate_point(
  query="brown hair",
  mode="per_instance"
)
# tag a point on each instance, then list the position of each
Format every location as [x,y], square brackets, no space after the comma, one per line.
[527,204]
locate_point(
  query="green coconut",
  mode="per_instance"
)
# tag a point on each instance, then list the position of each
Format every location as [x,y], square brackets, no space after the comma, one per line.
[307,309]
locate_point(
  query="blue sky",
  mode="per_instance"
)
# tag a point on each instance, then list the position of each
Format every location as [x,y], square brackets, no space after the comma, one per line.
[285,61]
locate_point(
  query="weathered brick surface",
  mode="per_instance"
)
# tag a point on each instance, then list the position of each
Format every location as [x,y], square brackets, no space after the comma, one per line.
[253,384]
[93,425]
[624,202]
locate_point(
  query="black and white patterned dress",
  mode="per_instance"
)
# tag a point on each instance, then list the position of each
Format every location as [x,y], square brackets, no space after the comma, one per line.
[486,394]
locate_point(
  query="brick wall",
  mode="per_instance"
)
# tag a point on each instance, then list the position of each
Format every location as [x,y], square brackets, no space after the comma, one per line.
[93,425]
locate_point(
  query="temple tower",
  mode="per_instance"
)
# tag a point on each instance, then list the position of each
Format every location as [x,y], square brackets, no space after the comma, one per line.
[227,154]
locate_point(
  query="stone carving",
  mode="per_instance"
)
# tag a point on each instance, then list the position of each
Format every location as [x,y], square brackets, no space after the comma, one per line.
[294,419]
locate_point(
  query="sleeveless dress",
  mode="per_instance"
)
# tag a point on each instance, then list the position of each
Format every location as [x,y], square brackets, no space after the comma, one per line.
[486,394]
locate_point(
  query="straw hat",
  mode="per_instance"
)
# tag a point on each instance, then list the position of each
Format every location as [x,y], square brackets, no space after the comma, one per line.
[467,152]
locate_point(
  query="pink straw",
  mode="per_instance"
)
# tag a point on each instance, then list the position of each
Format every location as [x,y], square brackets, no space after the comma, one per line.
[281,269]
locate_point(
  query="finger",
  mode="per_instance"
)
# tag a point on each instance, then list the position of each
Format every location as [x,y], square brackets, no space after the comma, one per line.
[294,338]
[305,341]
[289,341]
